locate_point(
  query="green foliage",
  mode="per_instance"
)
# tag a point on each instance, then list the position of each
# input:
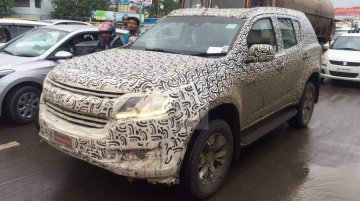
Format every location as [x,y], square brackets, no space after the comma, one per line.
[77,9]
[5,7]
[166,6]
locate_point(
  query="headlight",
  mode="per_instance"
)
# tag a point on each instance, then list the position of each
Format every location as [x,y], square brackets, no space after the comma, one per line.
[324,62]
[144,106]
[5,72]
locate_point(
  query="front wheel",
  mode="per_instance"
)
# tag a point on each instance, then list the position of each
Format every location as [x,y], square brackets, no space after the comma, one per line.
[305,107]
[208,160]
[22,104]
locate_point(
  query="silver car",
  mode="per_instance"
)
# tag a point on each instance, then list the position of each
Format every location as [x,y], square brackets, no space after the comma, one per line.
[25,61]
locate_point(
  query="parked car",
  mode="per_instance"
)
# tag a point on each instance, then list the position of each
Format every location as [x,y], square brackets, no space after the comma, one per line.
[342,61]
[25,61]
[177,106]
[11,28]
[65,22]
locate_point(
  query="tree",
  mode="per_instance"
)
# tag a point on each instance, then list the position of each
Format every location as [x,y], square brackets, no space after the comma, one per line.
[166,6]
[77,9]
[5,7]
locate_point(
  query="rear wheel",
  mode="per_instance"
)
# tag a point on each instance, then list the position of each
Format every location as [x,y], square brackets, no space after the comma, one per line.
[22,104]
[305,107]
[208,160]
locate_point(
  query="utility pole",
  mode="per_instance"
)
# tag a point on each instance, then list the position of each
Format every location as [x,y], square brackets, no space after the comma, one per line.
[158,9]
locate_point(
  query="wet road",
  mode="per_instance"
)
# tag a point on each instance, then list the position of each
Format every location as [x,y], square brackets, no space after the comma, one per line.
[321,162]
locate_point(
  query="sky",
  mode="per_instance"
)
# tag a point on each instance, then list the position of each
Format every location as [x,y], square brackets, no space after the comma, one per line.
[345,3]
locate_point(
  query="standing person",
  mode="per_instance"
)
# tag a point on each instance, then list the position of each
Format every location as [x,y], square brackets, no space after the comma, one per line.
[125,20]
[134,30]
[108,37]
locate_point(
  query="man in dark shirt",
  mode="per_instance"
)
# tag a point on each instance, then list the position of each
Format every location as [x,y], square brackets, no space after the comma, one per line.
[108,37]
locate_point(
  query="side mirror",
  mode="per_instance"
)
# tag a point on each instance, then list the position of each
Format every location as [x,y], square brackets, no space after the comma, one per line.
[63,55]
[260,53]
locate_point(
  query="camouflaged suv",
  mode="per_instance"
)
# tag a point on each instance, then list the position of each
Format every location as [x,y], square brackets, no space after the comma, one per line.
[178,104]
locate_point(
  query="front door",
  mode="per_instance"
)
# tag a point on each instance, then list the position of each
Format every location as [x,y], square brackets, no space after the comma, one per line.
[262,88]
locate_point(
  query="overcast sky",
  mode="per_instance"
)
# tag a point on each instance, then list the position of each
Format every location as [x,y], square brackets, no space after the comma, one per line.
[346,3]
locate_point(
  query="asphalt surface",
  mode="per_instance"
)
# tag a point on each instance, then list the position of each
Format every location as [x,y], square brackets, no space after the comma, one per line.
[321,162]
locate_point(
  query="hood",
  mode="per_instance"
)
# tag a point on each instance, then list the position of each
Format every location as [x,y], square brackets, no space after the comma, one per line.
[343,55]
[126,70]
[8,61]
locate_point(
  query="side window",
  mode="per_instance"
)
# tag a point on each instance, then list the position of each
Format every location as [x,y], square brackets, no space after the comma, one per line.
[4,35]
[298,31]
[287,32]
[13,29]
[262,32]
[23,29]
[81,44]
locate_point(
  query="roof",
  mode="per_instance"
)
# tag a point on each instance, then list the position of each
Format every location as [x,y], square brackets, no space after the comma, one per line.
[235,13]
[53,21]
[71,28]
[21,22]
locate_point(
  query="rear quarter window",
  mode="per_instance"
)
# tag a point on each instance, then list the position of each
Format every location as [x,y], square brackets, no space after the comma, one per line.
[288,33]
[298,30]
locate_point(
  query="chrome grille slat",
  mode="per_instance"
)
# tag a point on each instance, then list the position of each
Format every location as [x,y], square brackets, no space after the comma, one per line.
[75,120]
[343,63]
[86,91]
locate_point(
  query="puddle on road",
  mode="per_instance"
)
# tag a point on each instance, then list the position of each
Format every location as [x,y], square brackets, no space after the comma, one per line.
[331,184]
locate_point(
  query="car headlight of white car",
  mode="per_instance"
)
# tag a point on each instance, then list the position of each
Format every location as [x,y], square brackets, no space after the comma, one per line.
[5,72]
[324,60]
[150,106]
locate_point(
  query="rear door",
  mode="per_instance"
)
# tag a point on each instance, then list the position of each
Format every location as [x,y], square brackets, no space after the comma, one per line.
[293,54]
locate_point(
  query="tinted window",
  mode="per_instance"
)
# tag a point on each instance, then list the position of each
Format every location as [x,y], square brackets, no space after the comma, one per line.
[22,3]
[4,35]
[287,32]
[81,44]
[262,32]
[38,3]
[16,30]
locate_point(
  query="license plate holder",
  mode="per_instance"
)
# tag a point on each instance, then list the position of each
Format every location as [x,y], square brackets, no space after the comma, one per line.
[63,139]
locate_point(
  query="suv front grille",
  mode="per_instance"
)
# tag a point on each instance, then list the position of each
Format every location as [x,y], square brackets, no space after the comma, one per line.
[343,63]
[81,119]
[342,74]
[99,94]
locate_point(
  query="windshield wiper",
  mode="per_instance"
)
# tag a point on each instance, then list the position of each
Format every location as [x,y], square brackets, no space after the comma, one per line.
[25,55]
[204,54]
[160,50]
[7,52]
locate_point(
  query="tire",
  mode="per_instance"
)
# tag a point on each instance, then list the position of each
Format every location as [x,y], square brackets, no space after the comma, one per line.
[22,104]
[322,80]
[201,151]
[305,107]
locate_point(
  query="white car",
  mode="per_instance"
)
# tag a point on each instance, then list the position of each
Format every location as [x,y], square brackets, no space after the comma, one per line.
[342,61]
[11,28]
[65,22]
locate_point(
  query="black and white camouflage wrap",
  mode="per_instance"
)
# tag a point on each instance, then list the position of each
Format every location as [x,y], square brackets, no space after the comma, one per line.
[93,87]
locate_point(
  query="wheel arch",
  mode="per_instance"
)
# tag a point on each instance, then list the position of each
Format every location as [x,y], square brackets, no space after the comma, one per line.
[315,79]
[14,87]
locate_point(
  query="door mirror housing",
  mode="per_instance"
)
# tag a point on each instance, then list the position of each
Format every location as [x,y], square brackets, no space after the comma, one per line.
[63,55]
[260,53]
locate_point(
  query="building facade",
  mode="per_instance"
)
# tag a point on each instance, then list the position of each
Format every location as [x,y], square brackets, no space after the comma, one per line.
[35,9]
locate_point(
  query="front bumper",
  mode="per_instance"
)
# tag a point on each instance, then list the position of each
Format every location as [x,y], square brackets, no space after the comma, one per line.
[150,156]
[340,72]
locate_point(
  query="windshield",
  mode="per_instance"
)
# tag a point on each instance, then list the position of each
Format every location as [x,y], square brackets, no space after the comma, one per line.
[347,43]
[34,43]
[200,36]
